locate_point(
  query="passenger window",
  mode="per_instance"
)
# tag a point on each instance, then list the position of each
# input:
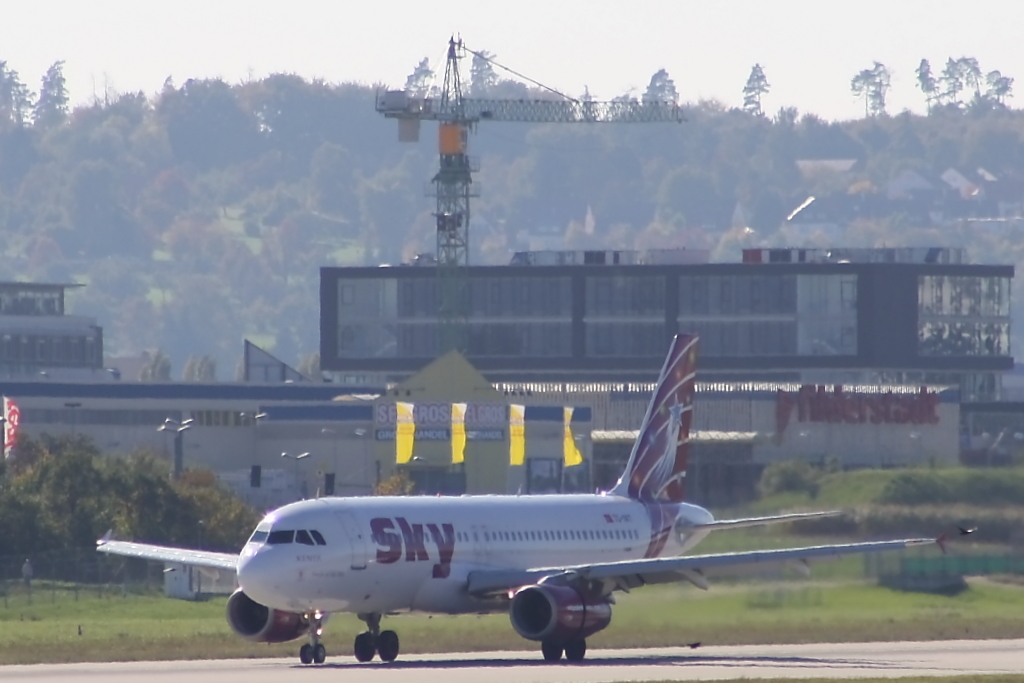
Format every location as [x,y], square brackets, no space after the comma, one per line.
[317,537]
[258,537]
[302,536]
[280,537]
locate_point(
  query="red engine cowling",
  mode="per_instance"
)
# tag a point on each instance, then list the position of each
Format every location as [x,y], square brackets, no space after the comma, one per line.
[557,613]
[260,623]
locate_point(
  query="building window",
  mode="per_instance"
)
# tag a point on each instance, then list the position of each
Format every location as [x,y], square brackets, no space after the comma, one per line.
[962,316]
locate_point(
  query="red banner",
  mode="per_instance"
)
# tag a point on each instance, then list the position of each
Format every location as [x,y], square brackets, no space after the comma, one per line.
[817,404]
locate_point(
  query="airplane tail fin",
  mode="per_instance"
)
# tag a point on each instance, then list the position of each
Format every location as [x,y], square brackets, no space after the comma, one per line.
[656,470]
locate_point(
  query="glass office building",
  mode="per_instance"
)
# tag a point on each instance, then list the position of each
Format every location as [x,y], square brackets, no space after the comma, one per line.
[814,320]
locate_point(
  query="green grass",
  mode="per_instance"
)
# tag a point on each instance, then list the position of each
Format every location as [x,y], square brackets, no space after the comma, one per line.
[139,627]
[952,485]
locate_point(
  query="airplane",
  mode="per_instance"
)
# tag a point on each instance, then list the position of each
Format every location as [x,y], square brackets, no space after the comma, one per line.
[553,562]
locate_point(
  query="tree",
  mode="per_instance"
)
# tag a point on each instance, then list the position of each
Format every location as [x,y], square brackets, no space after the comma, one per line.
[418,82]
[200,369]
[971,74]
[927,83]
[952,80]
[661,88]
[15,98]
[157,368]
[482,77]
[872,85]
[860,85]
[757,85]
[1000,88]
[51,108]
[309,365]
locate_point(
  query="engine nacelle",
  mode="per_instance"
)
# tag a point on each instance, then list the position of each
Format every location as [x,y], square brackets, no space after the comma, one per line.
[557,613]
[260,623]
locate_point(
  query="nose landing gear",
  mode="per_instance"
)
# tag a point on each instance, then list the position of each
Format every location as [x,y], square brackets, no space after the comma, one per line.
[375,641]
[574,650]
[314,651]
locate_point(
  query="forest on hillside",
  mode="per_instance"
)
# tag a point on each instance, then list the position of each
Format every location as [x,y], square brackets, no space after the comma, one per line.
[201,215]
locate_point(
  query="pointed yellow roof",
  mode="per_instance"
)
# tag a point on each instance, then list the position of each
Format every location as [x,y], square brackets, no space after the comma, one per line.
[448,378]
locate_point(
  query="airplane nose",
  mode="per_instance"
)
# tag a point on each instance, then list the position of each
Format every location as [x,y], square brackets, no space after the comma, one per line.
[256,575]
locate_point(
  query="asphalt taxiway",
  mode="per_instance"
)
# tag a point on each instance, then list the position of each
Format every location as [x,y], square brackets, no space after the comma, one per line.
[846,660]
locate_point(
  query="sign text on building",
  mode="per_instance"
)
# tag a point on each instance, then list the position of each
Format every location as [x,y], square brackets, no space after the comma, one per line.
[817,404]
[440,414]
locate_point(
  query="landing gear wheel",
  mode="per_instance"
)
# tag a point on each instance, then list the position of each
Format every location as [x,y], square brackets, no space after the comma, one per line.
[365,647]
[306,654]
[387,646]
[576,650]
[319,653]
[552,651]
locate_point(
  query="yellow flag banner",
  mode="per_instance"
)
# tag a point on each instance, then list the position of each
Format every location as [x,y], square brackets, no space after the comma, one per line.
[570,452]
[405,432]
[516,434]
[458,433]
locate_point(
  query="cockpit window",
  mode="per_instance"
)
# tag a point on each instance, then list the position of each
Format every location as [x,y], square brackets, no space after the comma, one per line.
[302,536]
[280,537]
[258,536]
[318,538]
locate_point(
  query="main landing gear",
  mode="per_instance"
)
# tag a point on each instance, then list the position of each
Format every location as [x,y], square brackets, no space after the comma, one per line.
[574,650]
[375,641]
[314,651]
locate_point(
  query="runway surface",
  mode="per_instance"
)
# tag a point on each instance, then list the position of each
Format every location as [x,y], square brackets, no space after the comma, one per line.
[848,660]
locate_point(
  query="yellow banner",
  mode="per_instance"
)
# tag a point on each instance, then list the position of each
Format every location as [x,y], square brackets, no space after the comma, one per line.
[516,434]
[570,452]
[405,432]
[458,433]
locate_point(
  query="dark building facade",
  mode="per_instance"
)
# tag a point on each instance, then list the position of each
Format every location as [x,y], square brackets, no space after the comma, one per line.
[781,315]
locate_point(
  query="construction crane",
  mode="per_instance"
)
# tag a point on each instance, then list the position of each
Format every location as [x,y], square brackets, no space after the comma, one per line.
[453,185]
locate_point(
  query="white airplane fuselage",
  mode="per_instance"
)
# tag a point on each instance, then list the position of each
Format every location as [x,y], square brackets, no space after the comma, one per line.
[388,554]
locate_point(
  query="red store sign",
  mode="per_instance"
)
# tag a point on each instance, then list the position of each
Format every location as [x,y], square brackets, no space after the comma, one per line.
[817,404]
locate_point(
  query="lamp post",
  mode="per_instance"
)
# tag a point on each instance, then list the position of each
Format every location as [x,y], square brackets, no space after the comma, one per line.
[74,415]
[329,490]
[179,429]
[297,458]
[256,417]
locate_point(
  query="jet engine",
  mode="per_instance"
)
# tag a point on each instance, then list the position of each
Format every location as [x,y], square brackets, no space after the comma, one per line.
[557,613]
[261,624]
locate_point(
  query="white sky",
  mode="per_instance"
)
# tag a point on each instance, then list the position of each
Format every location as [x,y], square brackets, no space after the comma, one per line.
[810,49]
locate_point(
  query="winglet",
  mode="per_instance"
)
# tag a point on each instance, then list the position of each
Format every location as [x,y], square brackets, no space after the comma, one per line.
[942,540]
[106,537]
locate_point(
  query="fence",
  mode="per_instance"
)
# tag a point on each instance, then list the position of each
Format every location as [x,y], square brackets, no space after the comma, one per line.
[69,575]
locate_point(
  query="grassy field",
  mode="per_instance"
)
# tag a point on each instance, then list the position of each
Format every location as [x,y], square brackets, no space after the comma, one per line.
[136,628]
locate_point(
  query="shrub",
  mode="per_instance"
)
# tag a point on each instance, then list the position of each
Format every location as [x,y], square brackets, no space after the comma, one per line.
[790,476]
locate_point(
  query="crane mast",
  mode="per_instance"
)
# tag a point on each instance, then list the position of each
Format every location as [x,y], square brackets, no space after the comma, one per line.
[453,184]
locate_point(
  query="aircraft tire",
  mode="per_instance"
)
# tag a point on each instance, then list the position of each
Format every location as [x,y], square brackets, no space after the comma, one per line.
[364,647]
[552,651]
[576,650]
[306,654]
[387,646]
[319,653]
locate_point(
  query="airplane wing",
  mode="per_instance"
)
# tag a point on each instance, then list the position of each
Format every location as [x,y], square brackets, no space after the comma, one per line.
[630,574]
[762,521]
[159,553]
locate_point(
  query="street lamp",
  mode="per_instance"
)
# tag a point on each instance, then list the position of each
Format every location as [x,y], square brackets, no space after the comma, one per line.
[74,415]
[179,429]
[332,478]
[297,458]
